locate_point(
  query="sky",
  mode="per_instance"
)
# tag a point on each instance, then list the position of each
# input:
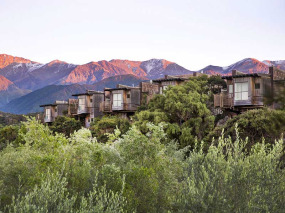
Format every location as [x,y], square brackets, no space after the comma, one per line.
[192,33]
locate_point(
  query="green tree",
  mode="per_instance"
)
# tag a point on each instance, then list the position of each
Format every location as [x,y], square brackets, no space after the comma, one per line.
[65,125]
[184,109]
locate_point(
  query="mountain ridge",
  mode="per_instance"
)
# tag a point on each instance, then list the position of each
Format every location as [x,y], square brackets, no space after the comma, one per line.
[29,103]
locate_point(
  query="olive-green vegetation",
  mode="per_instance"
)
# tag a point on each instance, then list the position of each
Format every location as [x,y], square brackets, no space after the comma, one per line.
[257,125]
[10,119]
[168,158]
[65,125]
[101,127]
[137,172]
[184,110]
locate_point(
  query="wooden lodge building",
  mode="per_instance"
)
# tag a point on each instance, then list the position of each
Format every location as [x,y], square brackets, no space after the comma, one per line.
[123,100]
[88,106]
[51,111]
[243,92]
[248,91]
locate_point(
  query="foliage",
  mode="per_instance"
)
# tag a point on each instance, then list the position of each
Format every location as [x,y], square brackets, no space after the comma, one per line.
[65,125]
[10,119]
[137,172]
[52,196]
[9,135]
[184,109]
[277,96]
[216,83]
[254,124]
[101,127]
[229,179]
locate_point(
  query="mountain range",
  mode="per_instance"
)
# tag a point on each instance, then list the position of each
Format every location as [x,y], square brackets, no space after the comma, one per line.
[23,79]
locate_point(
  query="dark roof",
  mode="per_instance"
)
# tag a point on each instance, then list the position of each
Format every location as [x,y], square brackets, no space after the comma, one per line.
[44,105]
[88,93]
[56,103]
[169,79]
[244,75]
[120,88]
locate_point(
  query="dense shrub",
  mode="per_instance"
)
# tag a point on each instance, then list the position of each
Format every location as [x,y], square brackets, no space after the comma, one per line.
[256,125]
[65,125]
[101,127]
[138,172]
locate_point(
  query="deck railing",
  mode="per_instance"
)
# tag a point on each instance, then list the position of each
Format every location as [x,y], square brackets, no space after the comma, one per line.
[107,106]
[223,100]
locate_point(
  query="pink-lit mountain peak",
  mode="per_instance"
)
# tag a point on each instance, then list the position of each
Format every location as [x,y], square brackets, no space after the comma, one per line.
[6,60]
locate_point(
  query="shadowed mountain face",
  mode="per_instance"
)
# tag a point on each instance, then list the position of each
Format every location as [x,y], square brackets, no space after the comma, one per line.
[9,91]
[30,103]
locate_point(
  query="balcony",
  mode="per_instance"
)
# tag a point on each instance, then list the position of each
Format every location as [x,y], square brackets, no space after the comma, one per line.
[83,109]
[107,106]
[223,100]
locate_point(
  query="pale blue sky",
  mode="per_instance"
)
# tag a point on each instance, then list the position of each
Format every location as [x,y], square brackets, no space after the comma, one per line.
[192,33]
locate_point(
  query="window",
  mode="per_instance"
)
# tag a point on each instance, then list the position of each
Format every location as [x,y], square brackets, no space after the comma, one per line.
[241,91]
[91,100]
[48,114]
[230,89]
[55,109]
[128,95]
[117,100]
[81,104]
[257,86]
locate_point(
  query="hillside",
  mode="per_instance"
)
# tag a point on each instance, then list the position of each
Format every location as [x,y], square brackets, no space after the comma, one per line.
[9,91]
[30,103]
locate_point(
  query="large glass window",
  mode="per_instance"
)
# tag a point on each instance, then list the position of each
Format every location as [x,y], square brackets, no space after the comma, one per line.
[117,100]
[241,91]
[81,104]
[48,114]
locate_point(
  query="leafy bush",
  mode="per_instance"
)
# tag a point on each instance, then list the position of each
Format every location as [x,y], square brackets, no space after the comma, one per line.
[65,125]
[228,179]
[9,135]
[256,125]
[108,124]
[138,172]
[52,196]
